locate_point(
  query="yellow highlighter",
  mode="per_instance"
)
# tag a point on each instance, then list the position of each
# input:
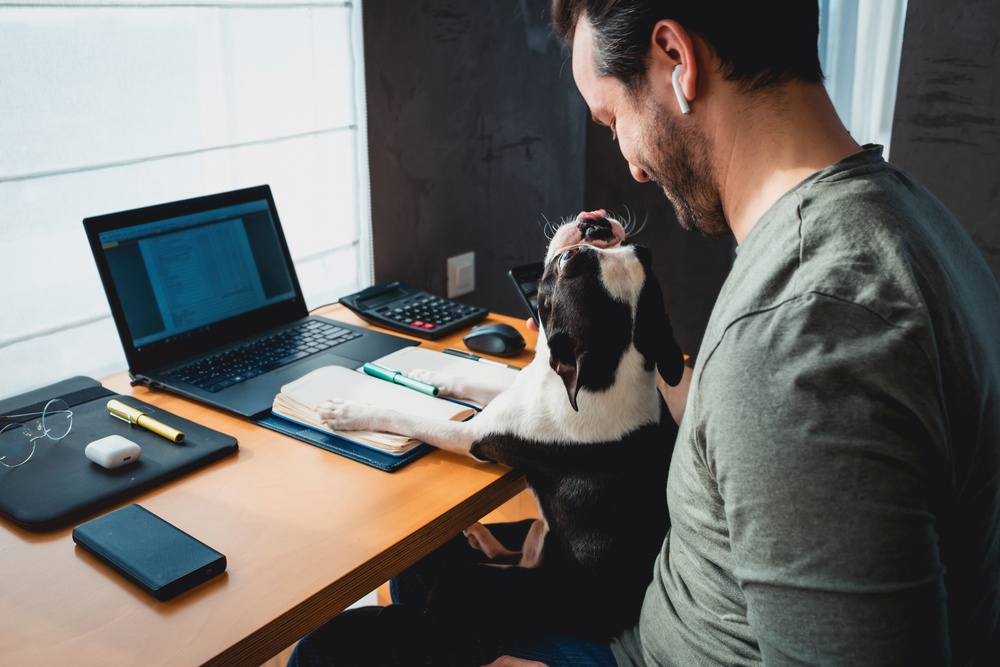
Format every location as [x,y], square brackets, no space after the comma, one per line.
[139,418]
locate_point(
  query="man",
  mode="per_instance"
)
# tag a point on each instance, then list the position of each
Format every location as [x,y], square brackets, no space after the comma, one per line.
[834,493]
[835,487]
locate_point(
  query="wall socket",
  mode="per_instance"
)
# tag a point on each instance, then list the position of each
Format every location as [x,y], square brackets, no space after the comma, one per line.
[461,274]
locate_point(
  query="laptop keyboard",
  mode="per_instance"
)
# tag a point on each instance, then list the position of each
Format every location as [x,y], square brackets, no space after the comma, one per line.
[233,366]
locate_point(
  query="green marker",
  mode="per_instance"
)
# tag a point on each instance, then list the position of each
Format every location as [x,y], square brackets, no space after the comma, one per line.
[398,378]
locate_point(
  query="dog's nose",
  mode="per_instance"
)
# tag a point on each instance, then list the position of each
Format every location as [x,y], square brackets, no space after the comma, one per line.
[595,226]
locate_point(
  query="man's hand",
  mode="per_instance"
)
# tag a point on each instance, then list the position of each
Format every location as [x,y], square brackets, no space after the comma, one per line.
[507,661]
[676,397]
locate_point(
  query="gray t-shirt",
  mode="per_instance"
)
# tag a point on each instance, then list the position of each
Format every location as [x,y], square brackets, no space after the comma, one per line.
[834,491]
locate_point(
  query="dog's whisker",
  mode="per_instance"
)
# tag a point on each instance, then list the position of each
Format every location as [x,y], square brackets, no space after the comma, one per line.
[638,225]
[547,228]
[630,222]
[552,226]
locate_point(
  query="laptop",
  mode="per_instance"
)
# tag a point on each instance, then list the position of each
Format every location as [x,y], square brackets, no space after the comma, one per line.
[207,303]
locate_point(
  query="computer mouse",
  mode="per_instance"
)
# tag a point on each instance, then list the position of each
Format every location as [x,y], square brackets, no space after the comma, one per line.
[500,339]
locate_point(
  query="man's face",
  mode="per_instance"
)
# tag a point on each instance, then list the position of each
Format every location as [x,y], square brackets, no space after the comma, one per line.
[657,143]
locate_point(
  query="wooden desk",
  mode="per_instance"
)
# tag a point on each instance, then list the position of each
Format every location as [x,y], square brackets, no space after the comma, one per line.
[306,533]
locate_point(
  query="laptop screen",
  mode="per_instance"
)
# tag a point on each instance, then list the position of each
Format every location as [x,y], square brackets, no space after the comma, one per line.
[185,274]
[185,277]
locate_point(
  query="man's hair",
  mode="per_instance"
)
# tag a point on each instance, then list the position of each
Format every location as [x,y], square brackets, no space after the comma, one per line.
[759,42]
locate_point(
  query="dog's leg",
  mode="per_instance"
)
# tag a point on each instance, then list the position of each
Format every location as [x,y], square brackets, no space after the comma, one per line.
[462,388]
[530,555]
[343,415]
[531,550]
[480,537]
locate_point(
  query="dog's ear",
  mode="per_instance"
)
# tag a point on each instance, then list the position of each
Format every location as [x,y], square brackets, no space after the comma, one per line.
[565,362]
[669,357]
[654,337]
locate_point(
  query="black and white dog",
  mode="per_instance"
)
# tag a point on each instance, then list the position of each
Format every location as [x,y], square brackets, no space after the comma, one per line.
[585,423]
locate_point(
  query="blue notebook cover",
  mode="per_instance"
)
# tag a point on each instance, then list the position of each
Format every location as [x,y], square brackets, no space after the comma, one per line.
[343,446]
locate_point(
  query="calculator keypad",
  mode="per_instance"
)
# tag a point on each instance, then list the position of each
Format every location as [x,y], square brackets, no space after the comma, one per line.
[418,313]
[427,312]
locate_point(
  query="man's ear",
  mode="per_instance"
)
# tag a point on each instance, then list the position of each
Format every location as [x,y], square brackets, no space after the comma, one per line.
[673,45]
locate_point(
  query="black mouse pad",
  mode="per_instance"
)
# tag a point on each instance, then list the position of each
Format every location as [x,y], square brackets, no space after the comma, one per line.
[60,485]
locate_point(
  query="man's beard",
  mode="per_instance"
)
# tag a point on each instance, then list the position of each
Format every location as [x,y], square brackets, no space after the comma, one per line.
[679,164]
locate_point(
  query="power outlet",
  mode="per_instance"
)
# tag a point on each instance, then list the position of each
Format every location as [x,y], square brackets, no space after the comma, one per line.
[461,274]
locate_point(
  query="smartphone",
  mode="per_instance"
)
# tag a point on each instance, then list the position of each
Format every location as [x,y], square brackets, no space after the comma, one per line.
[526,281]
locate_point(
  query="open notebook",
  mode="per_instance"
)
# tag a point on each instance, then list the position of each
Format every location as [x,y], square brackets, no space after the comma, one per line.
[297,400]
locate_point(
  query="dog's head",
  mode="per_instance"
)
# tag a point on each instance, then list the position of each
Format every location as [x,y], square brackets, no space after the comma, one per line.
[598,297]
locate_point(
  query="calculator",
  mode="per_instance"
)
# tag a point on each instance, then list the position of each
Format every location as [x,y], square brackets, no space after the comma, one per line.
[403,308]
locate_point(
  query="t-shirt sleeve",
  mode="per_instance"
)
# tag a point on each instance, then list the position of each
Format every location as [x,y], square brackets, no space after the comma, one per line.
[823,432]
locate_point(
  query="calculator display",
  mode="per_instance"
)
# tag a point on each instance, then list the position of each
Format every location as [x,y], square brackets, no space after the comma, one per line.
[377,300]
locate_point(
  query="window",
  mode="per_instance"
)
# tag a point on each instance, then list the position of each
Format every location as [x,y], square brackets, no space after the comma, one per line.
[860,44]
[113,105]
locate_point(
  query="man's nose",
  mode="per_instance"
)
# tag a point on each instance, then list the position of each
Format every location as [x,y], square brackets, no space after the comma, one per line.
[638,174]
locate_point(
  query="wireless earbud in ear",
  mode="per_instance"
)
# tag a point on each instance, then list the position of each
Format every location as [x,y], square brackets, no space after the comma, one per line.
[681,100]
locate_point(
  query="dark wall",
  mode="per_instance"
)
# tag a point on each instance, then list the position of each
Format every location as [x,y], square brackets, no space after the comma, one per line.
[476,137]
[947,123]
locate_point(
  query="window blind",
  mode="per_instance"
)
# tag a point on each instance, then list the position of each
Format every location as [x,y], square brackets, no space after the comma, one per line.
[860,46]
[107,106]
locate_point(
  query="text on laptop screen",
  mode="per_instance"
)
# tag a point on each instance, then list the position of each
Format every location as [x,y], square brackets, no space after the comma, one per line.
[184,274]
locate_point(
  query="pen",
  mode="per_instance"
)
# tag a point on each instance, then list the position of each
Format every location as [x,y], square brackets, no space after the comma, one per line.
[139,418]
[398,378]
[465,355]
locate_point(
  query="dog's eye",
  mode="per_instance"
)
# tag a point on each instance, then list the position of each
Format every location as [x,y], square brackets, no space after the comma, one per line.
[566,256]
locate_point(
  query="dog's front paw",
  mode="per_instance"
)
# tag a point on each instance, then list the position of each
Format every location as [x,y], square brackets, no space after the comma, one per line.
[445,383]
[343,415]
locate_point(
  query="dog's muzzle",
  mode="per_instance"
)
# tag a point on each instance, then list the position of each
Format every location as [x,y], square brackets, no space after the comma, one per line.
[592,228]
[595,228]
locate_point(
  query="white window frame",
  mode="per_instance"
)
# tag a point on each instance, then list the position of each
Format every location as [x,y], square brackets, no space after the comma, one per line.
[72,65]
[860,46]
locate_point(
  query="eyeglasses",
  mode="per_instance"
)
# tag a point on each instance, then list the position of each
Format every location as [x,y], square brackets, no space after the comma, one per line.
[19,435]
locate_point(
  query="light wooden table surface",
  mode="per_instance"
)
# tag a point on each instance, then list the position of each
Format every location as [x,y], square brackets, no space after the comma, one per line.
[306,533]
